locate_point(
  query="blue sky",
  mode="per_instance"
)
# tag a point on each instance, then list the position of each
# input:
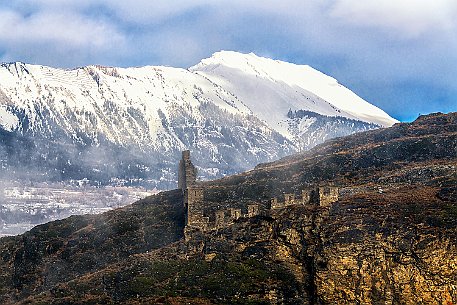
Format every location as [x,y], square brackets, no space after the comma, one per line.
[400,55]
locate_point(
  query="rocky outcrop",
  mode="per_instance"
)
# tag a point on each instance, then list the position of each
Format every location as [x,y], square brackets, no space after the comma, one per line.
[398,247]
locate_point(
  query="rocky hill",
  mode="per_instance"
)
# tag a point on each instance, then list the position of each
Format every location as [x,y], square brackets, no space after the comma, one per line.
[128,125]
[391,238]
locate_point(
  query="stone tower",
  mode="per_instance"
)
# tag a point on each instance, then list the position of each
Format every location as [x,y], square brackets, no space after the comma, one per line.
[187,172]
[193,195]
[193,202]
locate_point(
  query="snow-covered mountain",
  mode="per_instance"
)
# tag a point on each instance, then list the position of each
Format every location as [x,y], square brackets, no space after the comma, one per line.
[270,87]
[232,110]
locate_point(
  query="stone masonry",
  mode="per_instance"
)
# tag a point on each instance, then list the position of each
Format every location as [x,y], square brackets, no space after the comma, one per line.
[327,195]
[193,201]
[193,195]
[187,173]
[321,196]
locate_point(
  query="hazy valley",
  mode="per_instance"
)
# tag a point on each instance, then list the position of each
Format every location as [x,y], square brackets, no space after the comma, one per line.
[24,206]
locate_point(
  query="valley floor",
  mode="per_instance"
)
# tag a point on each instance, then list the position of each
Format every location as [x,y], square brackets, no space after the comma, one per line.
[24,206]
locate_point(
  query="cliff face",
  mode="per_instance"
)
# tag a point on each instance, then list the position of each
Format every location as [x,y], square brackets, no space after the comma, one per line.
[391,238]
[398,247]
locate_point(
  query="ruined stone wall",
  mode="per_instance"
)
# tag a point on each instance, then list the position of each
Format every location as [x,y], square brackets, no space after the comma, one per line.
[253,210]
[276,204]
[306,196]
[235,213]
[225,217]
[215,219]
[322,196]
[220,219]
[289,199]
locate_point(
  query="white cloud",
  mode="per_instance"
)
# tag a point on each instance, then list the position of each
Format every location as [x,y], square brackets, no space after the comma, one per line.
[407,18]
[56,36]
[136,11]
[149,12]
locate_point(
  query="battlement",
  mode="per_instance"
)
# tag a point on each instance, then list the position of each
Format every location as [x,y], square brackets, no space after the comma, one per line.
[195,206]
[253,210]
[318,196]
[321,196]
[226,217]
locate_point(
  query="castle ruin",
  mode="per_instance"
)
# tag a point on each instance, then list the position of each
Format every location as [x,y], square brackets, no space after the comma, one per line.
[327,195]
[200,219]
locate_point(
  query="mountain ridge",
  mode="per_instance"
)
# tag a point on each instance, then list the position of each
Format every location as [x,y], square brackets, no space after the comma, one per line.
[155,112]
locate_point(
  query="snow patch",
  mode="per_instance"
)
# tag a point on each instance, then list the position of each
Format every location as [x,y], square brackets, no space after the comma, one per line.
[8,121]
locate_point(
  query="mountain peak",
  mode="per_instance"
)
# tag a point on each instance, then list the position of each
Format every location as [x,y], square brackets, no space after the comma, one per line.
[311,84]
[247,62]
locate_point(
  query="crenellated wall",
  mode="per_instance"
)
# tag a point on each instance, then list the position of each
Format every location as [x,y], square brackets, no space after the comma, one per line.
[321,196]
[327,195]
[198,219]
[200,216]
